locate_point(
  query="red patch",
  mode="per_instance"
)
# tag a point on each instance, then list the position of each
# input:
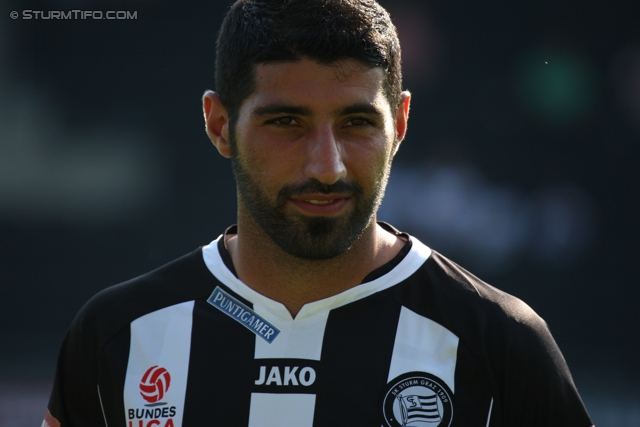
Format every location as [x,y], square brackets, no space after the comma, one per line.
[50,421]
[155,383]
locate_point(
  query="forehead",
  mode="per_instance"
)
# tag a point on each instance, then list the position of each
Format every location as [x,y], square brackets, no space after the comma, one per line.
[317,86]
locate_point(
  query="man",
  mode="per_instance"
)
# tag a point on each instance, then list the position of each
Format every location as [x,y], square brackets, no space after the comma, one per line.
[309,312]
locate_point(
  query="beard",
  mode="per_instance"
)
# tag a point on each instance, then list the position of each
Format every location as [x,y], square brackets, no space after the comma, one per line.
[309,237]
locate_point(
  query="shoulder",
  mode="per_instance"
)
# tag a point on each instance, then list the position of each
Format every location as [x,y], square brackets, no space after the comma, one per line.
[505,336]
[98,339]
[496,327]
[450,294]
[509,342]
[114,308]
[478,297]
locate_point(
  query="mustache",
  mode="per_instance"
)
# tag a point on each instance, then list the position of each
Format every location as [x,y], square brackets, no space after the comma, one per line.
[314,186]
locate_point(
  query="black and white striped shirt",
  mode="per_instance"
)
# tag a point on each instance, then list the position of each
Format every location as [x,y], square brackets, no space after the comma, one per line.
[421,342]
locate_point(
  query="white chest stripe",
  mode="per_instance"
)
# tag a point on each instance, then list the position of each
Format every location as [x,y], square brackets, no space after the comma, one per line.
[156,379]
[286,410]
[299,339]
[425,346]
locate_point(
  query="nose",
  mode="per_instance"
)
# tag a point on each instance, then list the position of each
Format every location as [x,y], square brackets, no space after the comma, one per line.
[325,157]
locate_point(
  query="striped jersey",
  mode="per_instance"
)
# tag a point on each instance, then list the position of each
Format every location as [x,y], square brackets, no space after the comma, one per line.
[421,342]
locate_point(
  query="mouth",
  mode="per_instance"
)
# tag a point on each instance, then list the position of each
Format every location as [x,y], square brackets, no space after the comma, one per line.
[323,205]
[320,202]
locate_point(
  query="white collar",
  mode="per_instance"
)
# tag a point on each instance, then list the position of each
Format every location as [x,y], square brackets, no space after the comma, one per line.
[417,255]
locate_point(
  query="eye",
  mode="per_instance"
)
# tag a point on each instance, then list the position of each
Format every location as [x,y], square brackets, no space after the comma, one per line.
[358,122]
[284,121]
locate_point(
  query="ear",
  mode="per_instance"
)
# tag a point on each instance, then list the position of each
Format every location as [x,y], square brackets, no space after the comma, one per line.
[216,122]
[402,117]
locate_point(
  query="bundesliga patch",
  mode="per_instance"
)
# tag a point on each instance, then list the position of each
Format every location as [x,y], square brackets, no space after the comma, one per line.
[417,399]
[243,315]
[154,385]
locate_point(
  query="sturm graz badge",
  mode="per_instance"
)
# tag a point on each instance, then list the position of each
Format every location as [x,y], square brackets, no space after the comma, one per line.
[417,399]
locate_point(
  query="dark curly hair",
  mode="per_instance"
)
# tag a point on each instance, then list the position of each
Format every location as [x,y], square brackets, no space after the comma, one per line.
[327,31]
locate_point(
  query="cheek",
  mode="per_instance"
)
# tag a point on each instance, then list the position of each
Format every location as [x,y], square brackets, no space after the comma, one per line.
[270,168]
[369,158]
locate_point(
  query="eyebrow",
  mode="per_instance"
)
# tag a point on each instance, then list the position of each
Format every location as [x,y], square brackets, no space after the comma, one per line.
[273,109]
[361,108]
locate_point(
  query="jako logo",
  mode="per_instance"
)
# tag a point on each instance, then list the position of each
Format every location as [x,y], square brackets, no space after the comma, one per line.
[155,383]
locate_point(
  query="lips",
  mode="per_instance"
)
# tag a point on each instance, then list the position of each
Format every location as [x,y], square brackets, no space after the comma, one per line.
[320,204]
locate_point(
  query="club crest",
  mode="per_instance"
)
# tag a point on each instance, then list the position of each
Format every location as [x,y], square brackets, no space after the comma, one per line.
[417,399]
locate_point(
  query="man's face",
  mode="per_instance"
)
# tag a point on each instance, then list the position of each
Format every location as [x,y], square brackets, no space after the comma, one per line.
[312,149]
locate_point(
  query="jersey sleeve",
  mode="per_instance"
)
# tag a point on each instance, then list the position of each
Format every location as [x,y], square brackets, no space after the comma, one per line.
[92,363]
[74,400]
[528,376]
[535,384]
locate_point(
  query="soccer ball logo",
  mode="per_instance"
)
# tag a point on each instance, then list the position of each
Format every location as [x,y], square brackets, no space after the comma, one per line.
[155,383]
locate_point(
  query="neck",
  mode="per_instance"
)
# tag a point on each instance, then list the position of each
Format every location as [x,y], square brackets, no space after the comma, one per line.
[294,282]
